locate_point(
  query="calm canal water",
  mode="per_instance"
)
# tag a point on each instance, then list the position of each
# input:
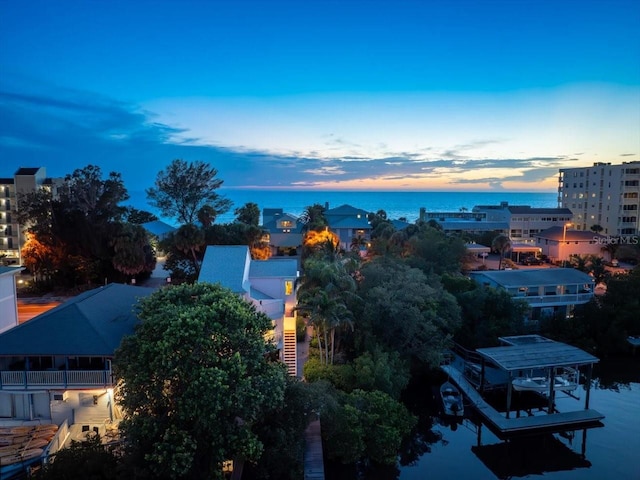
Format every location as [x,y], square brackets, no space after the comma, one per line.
[471,451]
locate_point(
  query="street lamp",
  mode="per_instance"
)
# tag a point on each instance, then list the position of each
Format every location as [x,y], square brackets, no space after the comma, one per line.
[564,237]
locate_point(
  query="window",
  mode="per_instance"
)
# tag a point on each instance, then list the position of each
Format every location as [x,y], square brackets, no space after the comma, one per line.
[285,224]
[629,207]
[631,183]
[288,287]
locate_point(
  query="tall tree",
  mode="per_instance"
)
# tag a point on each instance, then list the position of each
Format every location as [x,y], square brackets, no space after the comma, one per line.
[182,189]
[501,244]
[98,199]
[195,379]
[248,214]
[76,227]
[132,250]
[190,240]
[313,217]
[139,217]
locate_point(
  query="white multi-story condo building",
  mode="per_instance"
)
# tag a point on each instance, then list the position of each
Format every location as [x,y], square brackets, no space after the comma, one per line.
[25,180]
[604,194]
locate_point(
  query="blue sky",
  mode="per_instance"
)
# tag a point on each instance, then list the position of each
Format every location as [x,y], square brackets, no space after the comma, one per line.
[388,95]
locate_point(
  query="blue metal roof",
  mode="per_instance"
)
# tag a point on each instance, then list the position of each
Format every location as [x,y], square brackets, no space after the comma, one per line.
[227,265]
[275,267]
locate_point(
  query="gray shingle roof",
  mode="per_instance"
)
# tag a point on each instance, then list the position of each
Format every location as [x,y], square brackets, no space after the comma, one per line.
[345,210]
[91,324]
[350,222]
[558,233]
[535,276]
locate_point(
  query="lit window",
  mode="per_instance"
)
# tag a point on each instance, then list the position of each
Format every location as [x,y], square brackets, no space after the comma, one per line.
[288,287]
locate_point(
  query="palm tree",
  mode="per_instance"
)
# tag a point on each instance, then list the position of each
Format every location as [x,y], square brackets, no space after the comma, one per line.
[325,288]
[189,239]
[357,243]
[313,217]
[326,313]
[501,244]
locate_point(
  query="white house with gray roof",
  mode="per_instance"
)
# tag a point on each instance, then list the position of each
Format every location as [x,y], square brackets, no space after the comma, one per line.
[548,291]
[56,367]
[268,284]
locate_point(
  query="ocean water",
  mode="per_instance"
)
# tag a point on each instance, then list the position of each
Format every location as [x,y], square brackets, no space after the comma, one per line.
[396,204]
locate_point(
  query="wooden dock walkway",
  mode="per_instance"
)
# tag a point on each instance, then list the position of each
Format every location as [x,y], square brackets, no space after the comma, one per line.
[521,424]
[313,457]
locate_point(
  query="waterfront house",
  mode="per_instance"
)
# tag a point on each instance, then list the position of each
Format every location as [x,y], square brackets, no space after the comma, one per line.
[348,223]
[57,366]
[268,284]
[8,297]
[559,243]
[283,232]
[548,291]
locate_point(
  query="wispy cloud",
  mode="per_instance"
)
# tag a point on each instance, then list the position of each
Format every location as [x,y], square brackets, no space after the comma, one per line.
[77,128]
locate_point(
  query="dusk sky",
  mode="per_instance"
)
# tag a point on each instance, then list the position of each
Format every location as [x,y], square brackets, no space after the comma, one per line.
[377,95]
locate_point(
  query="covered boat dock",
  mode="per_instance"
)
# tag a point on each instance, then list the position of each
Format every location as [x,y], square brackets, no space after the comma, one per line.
[529,353]
[536,353]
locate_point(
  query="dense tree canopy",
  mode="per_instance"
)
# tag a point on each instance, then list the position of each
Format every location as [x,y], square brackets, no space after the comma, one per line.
[77,235]
[195,379]
[89,457]
[248,214]
[183,189]
[406,311]
[365,426]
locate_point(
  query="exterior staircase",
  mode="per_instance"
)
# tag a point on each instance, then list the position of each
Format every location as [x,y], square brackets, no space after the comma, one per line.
[289,346]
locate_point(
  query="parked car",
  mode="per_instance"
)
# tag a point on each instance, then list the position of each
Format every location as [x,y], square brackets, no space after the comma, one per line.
[531,260]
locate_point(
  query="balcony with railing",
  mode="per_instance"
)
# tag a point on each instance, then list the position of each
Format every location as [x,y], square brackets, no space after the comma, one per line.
[565,299]
[62,379]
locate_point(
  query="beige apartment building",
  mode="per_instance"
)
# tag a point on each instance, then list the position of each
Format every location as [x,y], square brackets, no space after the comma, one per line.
[604,194]
[25,180]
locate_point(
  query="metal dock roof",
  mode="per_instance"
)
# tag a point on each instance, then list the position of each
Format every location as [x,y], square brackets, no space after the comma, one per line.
[534,351]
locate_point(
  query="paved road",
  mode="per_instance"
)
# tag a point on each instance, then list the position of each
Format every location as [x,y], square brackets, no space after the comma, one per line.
[27,309]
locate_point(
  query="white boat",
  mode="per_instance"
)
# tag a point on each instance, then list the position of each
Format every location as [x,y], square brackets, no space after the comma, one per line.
[566,380]
[451,400]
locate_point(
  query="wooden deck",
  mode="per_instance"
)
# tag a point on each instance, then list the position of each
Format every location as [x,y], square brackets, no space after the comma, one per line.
[313,457]
[522,424]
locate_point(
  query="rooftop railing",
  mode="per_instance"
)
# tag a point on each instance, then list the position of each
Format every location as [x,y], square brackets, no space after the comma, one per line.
[14,380]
